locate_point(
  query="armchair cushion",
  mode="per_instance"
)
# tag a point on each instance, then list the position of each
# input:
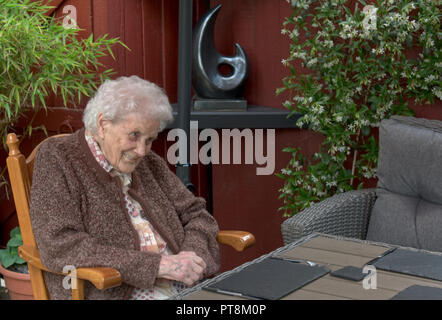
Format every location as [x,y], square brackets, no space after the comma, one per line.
[408,209]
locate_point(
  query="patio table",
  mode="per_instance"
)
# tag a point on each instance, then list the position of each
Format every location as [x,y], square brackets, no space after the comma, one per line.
[334,252]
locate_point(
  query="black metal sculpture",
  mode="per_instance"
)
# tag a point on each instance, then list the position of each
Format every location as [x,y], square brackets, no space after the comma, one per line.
[215,90]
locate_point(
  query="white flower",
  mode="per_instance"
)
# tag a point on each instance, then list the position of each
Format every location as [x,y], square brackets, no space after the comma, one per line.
[430,78]
[312,62]
[429,43]
[331,63]
[381,75]
[328,43]
[330,184]
[369,22]
[414,26]
[294,34]
[351,127]
[347,31]
[322,34]
[301,55]
[438,92]
[318,109]
[321,193]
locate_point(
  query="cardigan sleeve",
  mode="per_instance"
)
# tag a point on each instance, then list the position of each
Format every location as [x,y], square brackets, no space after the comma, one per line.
[200,227]
[62,239]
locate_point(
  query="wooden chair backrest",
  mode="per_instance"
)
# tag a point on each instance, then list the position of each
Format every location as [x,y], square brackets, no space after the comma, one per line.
[20,176]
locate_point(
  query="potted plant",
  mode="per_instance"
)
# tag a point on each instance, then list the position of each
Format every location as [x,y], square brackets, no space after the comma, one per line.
[14,269]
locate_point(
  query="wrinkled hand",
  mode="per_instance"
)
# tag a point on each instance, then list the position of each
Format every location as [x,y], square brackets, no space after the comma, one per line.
[185,267]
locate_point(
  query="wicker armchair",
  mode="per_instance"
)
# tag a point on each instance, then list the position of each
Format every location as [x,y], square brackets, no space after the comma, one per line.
[405,208]
[345,214]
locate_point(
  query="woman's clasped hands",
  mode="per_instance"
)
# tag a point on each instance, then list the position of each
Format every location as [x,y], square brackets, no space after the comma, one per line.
[185,267]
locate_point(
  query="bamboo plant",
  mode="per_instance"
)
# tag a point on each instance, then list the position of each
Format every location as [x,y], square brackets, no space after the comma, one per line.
[39,57]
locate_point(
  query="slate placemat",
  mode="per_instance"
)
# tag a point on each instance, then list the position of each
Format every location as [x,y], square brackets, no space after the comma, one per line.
[270,279]
[416,263]
[417,292]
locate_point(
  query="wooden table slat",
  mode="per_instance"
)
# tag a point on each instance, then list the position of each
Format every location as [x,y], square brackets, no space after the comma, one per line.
[347,247]
[323,257]
[348,289]
[303,294]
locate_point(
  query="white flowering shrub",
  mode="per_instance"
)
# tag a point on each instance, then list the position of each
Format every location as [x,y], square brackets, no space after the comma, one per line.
[365,62]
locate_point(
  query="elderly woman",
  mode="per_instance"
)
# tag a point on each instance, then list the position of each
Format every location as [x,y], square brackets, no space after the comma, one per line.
[101,197]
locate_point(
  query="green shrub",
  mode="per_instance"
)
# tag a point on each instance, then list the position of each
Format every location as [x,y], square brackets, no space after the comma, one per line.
[362,64]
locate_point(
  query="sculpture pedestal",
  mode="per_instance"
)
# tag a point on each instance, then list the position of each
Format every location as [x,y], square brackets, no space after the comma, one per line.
[219,105]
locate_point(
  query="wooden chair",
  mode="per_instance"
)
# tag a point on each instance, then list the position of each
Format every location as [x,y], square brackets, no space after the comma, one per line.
[20,175]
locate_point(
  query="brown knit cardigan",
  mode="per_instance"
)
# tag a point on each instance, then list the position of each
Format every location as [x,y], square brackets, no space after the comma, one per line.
[79,218]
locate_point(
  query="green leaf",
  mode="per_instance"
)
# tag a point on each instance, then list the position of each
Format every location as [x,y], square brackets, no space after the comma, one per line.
[15,241]
[15,232]
[280,175]
[19,260]
[325,158]
[365,130]
[7,260]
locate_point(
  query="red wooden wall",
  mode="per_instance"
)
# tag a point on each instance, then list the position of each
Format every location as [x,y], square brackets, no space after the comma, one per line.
[241,199]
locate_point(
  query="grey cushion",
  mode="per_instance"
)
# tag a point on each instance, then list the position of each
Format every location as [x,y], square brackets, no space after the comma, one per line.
[408,209]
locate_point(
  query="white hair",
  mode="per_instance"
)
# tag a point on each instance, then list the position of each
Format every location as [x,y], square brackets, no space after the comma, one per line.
[116,98]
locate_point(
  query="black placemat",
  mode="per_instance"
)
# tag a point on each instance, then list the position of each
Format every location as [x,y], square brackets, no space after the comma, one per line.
[417,292]
[349,273]
[416,263]
[270,279]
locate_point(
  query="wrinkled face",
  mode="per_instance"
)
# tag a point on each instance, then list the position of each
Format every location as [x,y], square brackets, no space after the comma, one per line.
[124,143]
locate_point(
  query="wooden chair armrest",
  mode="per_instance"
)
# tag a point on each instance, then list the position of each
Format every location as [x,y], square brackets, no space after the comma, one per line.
[239,240]
[100,277]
